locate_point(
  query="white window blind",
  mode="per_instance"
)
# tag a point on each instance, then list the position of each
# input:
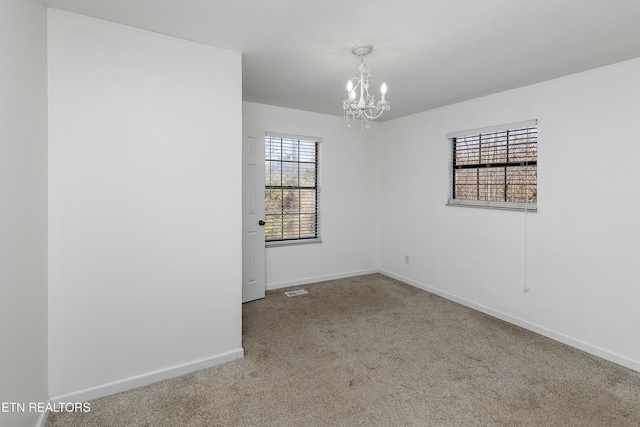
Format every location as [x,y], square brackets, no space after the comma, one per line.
[292,191]
[495,167]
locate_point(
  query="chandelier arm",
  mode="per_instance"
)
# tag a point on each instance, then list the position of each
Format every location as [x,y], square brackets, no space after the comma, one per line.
[374,114]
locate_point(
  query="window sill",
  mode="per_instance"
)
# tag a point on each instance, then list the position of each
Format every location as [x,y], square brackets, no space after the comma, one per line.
[503,206]
[292,243]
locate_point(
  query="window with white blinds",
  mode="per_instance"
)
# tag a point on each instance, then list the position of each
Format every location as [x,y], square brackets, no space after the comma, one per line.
[495,167]
[292,192]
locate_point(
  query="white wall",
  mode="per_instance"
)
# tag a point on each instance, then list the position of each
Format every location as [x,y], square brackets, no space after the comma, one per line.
[347,203]
[144,206]
[23,207]
[582,243]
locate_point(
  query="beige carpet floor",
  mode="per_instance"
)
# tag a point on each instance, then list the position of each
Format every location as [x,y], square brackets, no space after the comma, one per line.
[371,351]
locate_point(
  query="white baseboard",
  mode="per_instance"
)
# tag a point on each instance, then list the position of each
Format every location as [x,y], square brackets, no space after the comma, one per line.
[307,280]
[146,379]
[581,345]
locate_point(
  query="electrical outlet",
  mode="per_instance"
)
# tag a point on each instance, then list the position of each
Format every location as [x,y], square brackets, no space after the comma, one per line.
[407,260]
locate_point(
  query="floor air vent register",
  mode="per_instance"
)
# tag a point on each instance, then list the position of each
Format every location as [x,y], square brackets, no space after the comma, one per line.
[296,293]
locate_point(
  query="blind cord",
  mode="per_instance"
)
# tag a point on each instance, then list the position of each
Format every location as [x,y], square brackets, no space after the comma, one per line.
[525,286]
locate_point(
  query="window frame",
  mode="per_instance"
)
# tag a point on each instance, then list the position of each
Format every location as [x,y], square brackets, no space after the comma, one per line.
[493,130]
[317,188]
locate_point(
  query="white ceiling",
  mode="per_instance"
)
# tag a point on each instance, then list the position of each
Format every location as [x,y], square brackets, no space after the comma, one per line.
[297,53]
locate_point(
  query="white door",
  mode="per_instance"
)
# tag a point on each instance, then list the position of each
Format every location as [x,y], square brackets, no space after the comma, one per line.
[253,249]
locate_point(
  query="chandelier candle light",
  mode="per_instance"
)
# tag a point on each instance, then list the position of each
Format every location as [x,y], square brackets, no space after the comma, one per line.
[364,109]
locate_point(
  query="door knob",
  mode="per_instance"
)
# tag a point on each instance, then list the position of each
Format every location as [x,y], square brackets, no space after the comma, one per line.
[261,222]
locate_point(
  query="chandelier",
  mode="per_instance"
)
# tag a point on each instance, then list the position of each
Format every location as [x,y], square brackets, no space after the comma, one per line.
[364,108]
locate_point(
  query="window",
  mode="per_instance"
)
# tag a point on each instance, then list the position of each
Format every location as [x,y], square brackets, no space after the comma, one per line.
[495,167]
[291,189]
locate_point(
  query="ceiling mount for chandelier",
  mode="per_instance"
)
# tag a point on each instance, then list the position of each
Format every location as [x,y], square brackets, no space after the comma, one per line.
[365,107]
